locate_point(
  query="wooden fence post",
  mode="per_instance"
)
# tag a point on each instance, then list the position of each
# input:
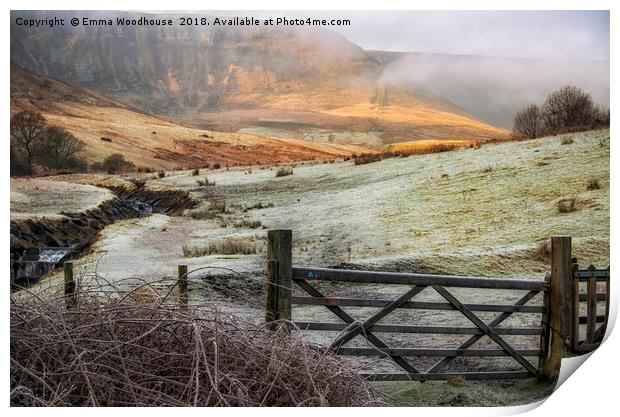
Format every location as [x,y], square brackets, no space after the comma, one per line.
[69,285]
[560,306]
[182,277]
[280,278]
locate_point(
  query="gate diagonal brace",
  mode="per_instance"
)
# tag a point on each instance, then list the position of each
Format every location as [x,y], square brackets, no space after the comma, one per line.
[488,331]
[473,339]
[356,328]
[344,316]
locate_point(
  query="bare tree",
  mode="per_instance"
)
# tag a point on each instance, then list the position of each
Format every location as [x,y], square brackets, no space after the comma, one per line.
[528,122]
[58,148]
[26,130]
[566,108]
[116,163]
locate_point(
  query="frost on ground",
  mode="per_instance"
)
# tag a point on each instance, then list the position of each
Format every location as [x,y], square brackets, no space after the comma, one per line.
[476,212]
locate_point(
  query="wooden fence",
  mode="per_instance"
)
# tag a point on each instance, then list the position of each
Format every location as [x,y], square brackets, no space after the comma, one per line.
[558,333]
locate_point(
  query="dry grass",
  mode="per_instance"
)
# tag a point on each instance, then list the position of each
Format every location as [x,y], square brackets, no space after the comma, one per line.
[123,352]
[248,224]
[458,382]
[214,209]
[367,159]
[284,171]
[566,205]
[420,147]
[543,250]
[225,246]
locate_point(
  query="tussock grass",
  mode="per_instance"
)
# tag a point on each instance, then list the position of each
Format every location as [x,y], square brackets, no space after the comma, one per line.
[567,140]
[225,246]
[284,171]
[593,184]
[205,182]
[566,205]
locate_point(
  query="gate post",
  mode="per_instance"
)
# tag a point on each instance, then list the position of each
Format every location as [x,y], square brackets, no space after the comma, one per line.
[70,299]
[559,306]
[182,281]
[280,278]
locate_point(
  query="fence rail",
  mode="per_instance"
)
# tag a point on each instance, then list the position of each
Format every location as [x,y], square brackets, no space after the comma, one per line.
[559,313]
[372,277]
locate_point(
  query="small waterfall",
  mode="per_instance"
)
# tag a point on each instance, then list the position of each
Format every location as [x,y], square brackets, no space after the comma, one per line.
[143,209]
[38,262]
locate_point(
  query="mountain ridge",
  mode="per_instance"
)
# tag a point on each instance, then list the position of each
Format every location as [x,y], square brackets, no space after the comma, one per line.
[236,79]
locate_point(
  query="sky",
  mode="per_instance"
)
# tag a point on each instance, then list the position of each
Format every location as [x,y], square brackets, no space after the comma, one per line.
[524,34]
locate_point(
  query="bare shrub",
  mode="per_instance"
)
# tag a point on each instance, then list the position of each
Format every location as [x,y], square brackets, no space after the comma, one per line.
[566,108]
[593,184]
[226,246]
[566,205]
[284,171]
[57,148]
[528,122]
[116,163]
[140,351]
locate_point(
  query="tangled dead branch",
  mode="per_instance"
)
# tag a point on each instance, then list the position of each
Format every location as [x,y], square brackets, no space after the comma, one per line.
[126,353]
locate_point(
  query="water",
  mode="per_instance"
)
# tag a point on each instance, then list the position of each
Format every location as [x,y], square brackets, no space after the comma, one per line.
[53,255]
[143,209]
[38,262]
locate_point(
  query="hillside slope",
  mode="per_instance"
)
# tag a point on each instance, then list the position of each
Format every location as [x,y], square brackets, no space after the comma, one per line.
[108,126]
[305,84]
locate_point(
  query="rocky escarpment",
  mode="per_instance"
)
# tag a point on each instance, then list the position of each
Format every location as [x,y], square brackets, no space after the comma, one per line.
[80,230]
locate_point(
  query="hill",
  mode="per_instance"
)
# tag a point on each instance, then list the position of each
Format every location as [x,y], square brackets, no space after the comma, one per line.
[305,84]
[108,126]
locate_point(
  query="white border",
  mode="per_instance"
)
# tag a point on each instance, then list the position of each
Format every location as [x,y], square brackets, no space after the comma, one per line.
[591,390]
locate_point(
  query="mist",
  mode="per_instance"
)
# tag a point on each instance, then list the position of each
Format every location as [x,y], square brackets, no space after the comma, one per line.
[493,89]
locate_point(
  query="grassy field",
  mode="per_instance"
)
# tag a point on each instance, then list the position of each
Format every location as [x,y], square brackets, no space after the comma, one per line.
[469,210]
[479,211]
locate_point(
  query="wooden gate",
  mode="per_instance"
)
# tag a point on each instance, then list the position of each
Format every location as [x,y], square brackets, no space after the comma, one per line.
[587,316]
[557,332]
